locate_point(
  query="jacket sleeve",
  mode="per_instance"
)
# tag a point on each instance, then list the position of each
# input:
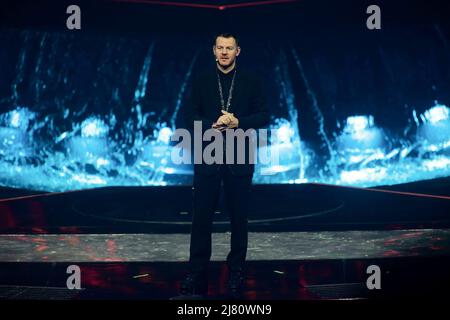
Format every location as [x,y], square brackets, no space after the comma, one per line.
[193,110]
[259,116]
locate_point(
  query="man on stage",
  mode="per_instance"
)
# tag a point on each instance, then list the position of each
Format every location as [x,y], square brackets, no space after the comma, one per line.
[223,98]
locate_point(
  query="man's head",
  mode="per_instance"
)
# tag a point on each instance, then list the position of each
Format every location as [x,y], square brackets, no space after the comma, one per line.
[226,49]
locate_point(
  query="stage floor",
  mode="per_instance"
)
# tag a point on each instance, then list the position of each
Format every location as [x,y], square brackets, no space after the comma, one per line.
[275,208]
[306,241]
[262,246]
[281,266]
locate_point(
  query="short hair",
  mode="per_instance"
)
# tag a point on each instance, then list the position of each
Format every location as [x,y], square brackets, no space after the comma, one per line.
[226,35]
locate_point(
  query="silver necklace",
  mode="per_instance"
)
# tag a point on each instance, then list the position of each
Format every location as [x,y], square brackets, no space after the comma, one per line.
[230,94]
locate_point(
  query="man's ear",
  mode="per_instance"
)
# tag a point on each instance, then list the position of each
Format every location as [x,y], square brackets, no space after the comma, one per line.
[214,50]
[238,51]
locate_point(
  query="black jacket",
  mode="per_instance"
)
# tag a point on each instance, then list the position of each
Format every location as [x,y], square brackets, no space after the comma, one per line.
[247,104]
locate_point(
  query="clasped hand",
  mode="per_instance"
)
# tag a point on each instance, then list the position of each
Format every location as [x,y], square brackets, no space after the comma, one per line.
[226,121]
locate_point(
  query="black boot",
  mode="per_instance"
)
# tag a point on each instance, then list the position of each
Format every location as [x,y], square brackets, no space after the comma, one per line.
[236,283]
[195,284]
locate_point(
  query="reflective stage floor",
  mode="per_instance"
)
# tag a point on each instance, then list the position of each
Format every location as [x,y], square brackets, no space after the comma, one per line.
[306,242]
[282,265]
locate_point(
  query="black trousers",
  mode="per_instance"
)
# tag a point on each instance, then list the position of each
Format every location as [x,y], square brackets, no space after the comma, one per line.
[206,197]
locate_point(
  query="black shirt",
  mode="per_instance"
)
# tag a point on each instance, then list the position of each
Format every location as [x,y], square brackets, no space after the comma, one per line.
[247,104]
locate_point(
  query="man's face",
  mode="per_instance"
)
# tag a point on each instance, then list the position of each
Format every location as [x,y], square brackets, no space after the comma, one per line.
[226,51]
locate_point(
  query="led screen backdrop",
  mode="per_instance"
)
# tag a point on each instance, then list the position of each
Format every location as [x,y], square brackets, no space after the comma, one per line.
[97,107]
